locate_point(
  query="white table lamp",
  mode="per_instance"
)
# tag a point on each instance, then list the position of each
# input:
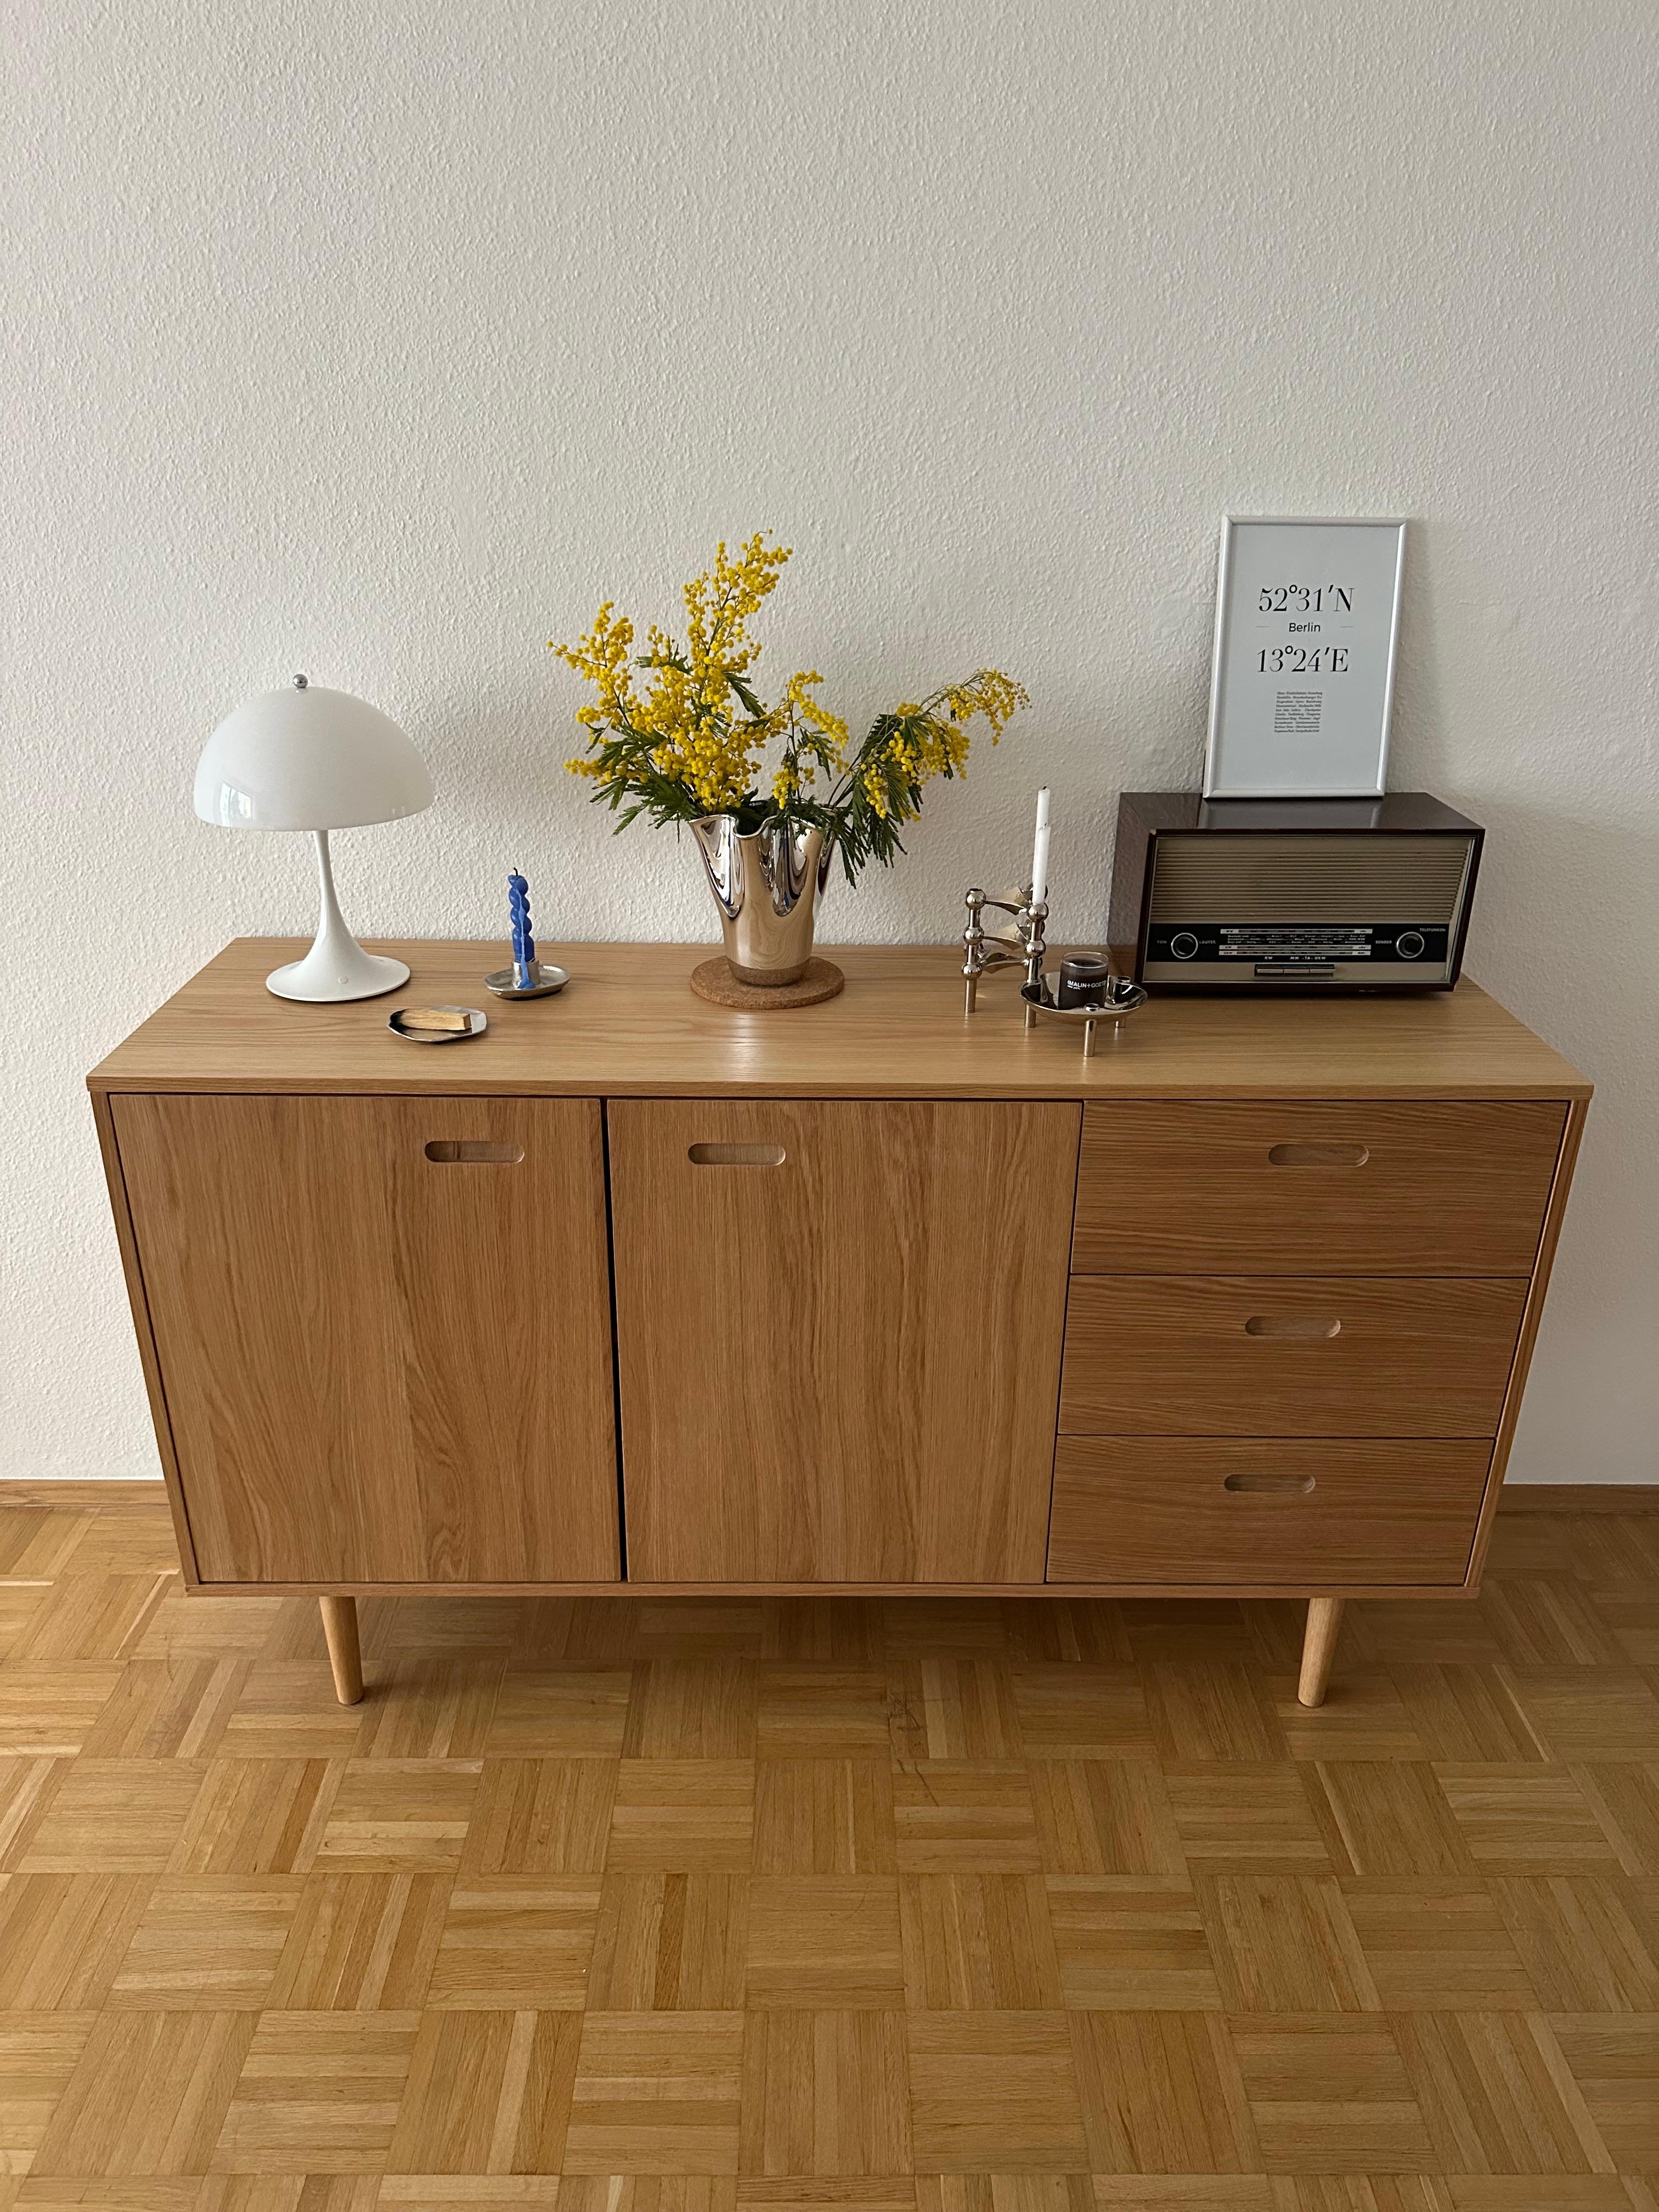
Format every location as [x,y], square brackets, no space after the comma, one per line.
[308,758]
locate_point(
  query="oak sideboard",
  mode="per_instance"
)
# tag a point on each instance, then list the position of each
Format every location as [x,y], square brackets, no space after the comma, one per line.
[633,1293]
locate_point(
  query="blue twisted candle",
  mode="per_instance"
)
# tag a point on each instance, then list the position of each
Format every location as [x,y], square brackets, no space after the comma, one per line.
[524,945]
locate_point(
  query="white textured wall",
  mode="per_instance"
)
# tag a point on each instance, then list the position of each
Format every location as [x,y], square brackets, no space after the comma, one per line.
[383,340]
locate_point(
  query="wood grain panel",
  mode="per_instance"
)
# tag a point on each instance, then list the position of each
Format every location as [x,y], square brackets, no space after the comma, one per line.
[1341,1512]
[1331,1187]
[1303,1356]
[376,1366]
[842,1368]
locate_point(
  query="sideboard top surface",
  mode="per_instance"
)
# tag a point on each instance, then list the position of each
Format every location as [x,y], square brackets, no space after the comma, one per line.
[628,1025]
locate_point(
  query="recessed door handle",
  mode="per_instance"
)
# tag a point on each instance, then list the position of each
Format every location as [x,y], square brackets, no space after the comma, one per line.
[472,1151]
[1293,1327]
[1284,1486]
[1318,1156]
[735,1155]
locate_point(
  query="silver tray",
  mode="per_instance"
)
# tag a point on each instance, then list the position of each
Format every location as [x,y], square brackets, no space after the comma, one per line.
[1126,998]
[476,1024]
[548,979]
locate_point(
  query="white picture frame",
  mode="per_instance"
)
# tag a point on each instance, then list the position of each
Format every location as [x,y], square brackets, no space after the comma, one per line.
[1307,624]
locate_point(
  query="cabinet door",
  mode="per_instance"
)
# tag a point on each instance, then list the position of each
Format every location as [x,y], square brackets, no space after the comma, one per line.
[383,1329]
[839,1330]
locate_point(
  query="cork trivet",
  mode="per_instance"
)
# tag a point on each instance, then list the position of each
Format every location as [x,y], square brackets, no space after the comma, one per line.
[714,981]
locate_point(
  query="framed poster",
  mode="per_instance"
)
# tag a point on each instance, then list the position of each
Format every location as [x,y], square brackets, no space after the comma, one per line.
[1307,615]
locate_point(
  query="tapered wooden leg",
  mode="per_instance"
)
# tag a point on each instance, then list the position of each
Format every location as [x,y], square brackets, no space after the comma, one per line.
[340,1627]
[1319,1648]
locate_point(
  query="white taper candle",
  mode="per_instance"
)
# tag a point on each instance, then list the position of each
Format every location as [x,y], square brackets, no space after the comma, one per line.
[1040,850]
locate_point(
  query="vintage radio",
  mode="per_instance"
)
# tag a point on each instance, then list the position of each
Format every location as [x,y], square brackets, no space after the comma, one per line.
[1292,894]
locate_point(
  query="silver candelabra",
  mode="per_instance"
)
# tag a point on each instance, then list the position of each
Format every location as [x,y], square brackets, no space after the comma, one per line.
[1022,946]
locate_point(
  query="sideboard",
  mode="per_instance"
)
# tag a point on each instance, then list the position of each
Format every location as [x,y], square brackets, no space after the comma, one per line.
[633,1293]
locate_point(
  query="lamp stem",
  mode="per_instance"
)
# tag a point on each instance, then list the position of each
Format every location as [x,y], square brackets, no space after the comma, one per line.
[331,922]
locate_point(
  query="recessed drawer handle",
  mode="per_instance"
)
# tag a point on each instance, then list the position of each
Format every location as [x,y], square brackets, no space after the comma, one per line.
[473,1151]
[735,1155]
[1285,1486]
[1319,1156]
[1301,1326]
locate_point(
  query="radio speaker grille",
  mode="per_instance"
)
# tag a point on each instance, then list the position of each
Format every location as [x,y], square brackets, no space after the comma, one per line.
[1308,878]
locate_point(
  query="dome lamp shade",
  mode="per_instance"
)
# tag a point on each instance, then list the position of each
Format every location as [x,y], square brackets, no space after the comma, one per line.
[312,759]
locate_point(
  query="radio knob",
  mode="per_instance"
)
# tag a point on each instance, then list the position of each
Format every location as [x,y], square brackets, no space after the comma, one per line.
[1183,946]
[1409,944]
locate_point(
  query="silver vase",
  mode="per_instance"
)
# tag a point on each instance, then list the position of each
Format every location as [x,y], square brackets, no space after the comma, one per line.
[766,883]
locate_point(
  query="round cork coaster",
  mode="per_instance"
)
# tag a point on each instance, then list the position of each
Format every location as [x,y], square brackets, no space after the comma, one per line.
[714,981]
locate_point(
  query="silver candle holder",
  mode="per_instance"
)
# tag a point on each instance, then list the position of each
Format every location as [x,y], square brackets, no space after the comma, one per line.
[1022,946]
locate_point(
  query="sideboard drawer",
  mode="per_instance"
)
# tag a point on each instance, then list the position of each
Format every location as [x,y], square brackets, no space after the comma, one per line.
[1352,1187]
[1266,1511]
[1277,1356]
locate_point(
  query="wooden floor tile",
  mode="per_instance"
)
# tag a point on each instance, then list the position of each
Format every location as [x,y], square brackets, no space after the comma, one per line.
[1081,1712]
[954,1707]
[842,1631]
[361,1942]
[670,1942]
[63,1938]
[1624,1799]
[148,2094]
[824,1942]
[1392,1817]
[208,1942]
[559,1713]
[1614,2065]
[683,1816]
[188,1626]
[657,2093]
[1131,1943]
[994,2091]
[1590,1713]
[94,1616]
[1329,2093]
[978,1943]
[1201,1711]
[825,2093]
[318,2093]
[516,1942]
[1468,1713]
[1437,1945]
[1525,1820]
[258,1816]
[288,1710]
[700,1708]
[824,1816]
[469,2192]
[540,1816]
[1249,1817]
[1363,1717]
[487,2092]
[1548,1621]
[399,1815]
[168,1708]
[432,1707]
[1584,1941]
[113,1816]
[965,1816]
[39,2053]
[822,1712]
[1162,2094]
[1283,1942]
[1498,2094]
[47,1707]
[1105,1816]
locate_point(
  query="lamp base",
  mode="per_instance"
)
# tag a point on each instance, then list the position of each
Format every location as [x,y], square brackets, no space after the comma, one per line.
[336,967]
[332,972]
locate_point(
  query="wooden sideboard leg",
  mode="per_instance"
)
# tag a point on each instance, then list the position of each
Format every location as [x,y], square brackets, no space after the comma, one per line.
[340,1627]
[1318,1648]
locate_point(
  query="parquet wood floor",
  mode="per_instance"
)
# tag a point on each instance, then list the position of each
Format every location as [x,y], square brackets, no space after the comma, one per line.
[771,1906]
